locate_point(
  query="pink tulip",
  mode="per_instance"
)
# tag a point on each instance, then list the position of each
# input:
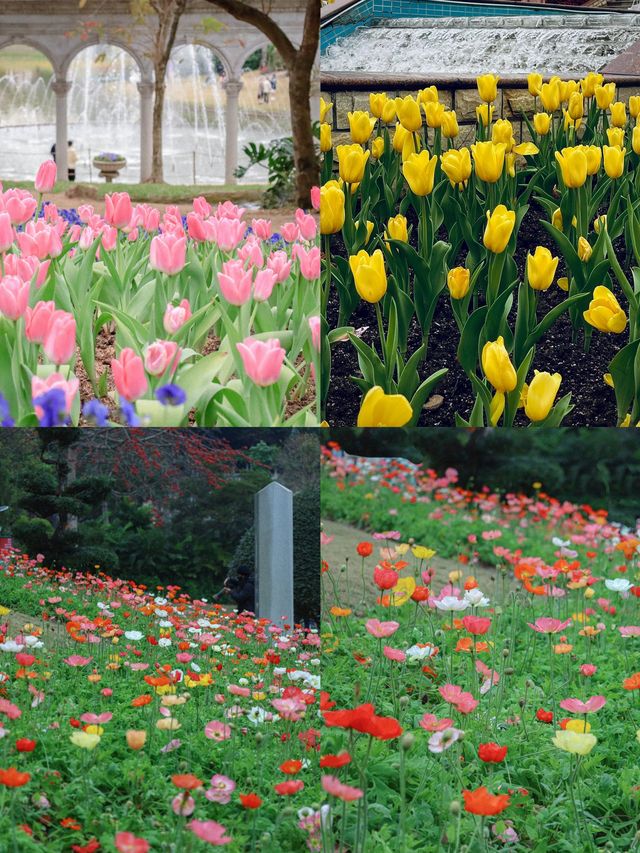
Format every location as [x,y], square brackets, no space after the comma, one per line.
[87,237]
[74,233]
[262,360]
[118,209]
[315,198]
[146,216]
[262,228]
[380,629]
[229,232]
[307,225]
[70,387]
[60,342]
[251,252]
[19,204]
[37,321]
[128,375]
[51,215]
[229,210]
[280,263]
[176,316]
[46,177]
[133,235]
[6,232]
[14,296]
[263,285]
[168,253]
[162,356]
[314,325]
[85,212]
[196,228]
[202,207]
[309,261]
[289,232]
[39,239]
[576,706]
[235,282]
[109,238]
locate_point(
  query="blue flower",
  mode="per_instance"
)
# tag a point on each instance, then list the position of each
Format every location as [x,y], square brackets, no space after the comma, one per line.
[54,408]
[96,411]
[5,414]
[171,395]
[128,412]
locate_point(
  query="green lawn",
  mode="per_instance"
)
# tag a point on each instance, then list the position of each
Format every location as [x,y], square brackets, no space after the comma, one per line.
[159,193]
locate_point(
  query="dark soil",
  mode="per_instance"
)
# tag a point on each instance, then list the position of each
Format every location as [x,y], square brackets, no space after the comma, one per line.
[593,400]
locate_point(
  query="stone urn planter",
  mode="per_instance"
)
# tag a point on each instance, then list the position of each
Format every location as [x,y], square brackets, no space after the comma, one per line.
[109,165]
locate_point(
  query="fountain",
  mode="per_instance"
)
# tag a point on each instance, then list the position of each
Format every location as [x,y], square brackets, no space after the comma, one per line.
[104,114]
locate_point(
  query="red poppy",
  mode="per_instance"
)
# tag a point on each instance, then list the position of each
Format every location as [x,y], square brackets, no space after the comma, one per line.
[186,781]
[24,659]
[91,847]
[365,549]
[420,593]
[25,745]
[13,778]
[492,752]
[544,716]
[481,802]
[633,682]
[291,767]
[364,719]
[250,801]
[70,823]
[139,701]
[288,788]
[335,761]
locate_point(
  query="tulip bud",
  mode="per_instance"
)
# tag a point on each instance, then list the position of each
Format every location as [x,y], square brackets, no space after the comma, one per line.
[458,280]
[369,275]
[613,161]
[543,390]
[584,249]
[487,87]
[408,112]
[618,114]
[377,101]
[615,136]
[397,228]
[534,84]
[331,208]
[635,139]
[542,123]
[550,96]
[325,137]
[377,148]
[352,160]
[634,106]
[500,225]
[576,106]
[541,268]
[488,158]
[497,366]
[433,112]
[419,172]
[450,127]
[361,125]
[484,114]
[605,95]
[456,164]
[556,219]
[573,166]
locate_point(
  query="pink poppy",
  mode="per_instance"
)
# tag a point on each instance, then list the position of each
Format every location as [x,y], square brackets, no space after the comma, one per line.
[431,723]
[217,731]
[442,740]
[127,842]
[183,804]
[548,625]
[77,660]
[210,831]
[333,786]
[381,629]
[576,706]
[394,654]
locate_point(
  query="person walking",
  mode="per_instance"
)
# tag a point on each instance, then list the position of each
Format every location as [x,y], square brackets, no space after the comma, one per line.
[72,160]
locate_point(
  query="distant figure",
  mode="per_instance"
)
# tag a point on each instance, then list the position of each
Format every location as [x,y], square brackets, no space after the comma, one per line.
[53,152]
[264,90]
[72,159]
[274,82]
[242,589]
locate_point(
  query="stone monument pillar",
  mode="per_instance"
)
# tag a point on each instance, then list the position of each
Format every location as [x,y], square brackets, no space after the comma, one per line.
[145,87]
[61,89]
[232,88]
[274,553]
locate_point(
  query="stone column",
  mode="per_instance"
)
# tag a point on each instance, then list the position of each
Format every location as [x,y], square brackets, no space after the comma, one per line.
[274,553]
[232,88]
[145,87]
[61,89]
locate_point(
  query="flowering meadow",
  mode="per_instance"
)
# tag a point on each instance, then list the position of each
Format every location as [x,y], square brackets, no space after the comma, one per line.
[502,275]
[493,702]
[155,319]
[135,720]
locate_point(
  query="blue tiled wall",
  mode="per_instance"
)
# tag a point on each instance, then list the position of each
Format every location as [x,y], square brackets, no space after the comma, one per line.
[364,13]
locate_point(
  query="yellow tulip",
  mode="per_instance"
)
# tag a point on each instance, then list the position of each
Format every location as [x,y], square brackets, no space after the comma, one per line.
[600,222]
[569,122]
[384,410]
[369,226]
[542,123]
[361,126]
[331,208]
[377,101]
[615,135]
[458,280]
[500,225]
[456,164]
[450,127]
[510,164]
[496,408]
[325,137]
[576,106]
[433,113]
[567,89]
[534,84]
[563,283]
[635,139]
[484,114]
[369,275]
[605,95]
[618,114]
[556,219]
[526,149]
[397,228]
[541,395]
[428,95]
[605,314]
[389,111]
[541,268]
[613,161]
[487,87]
[585,250]
[377,148]
[324,108]
[550,96]
[593,153]
[574,742]
[419,172]
[351,162]
[408,112]
[573,166]
[589,83]
[503,132]
[497,366]
[489,160]
[403,142]
[634,106]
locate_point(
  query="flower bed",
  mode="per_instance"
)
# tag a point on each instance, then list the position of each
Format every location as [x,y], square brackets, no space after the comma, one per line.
[484,709]
[497,275]
[130,719]
[165,320]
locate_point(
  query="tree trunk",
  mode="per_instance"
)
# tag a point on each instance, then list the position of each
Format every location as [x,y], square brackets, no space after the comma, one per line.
[304,149]
[157,172]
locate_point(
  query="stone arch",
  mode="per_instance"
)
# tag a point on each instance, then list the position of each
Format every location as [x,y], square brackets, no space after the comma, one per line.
[186,41]
[144,66]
